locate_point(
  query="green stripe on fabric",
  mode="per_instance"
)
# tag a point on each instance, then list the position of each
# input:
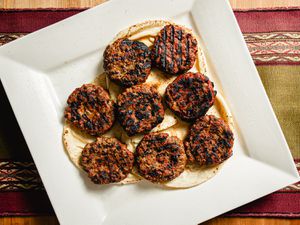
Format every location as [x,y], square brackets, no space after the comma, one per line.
[282,84]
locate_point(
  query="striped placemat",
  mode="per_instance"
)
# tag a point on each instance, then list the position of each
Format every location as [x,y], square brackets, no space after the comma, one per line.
[273,39]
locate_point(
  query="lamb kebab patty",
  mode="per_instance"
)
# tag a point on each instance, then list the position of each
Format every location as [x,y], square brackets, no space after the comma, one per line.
[190,95]
[140,109]
[106,160]
[209,142]
[174,50]
[160,157]
[90,109]
[127,62]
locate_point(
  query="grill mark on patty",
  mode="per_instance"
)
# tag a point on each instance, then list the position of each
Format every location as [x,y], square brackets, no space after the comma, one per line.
[187,51]
[174,50]
[164,55]
[157,48]
[172,34]
[180,47]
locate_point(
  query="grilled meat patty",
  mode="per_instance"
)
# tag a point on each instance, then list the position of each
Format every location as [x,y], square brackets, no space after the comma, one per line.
[127,62]
[106,160]
[209,142]
[174,50]
[160,157]
[190,95]
[140,109]
[90,109]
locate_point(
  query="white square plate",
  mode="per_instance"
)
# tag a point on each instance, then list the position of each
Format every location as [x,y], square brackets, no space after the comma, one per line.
[40,70]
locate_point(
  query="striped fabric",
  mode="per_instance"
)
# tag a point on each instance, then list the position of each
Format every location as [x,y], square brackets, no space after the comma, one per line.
[273,39]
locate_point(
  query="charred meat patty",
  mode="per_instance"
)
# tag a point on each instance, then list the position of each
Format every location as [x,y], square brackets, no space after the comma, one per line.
[127,62]
[90,109]
[190,95]
[160,157]
[140,109]
[106,160]
[209,142]
[174,50]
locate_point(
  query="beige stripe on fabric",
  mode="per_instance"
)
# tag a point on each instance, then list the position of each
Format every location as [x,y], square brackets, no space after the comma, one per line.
[252,4]
[282,84]
[236,4]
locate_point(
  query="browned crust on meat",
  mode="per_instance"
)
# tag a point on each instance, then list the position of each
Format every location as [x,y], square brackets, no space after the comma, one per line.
[127,62]
[190,95]
[140,109]
[210,141]
[90,109]
[174,50]
[160,157]
[106,160]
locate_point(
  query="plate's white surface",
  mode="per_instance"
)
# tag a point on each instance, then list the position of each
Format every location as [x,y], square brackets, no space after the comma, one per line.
[40,70]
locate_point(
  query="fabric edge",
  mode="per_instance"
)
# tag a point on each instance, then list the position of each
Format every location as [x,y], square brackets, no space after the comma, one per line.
[291,8]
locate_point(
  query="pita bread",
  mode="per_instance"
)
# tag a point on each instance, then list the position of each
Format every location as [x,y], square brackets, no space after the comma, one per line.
[75,140]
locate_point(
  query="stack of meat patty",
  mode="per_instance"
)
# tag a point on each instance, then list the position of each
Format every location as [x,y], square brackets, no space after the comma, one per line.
[159,157]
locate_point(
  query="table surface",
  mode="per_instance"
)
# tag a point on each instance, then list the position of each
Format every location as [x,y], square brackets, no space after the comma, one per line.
[236,4]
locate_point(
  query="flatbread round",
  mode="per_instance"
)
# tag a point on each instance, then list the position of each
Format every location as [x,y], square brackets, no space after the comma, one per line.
[74,140]
[193,174]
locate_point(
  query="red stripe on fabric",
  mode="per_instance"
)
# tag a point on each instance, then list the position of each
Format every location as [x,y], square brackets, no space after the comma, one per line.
[280,215]
[268,21]
[30,21]
[37,203]
[45,9]
[276,204]
[27,203]
[250,21]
